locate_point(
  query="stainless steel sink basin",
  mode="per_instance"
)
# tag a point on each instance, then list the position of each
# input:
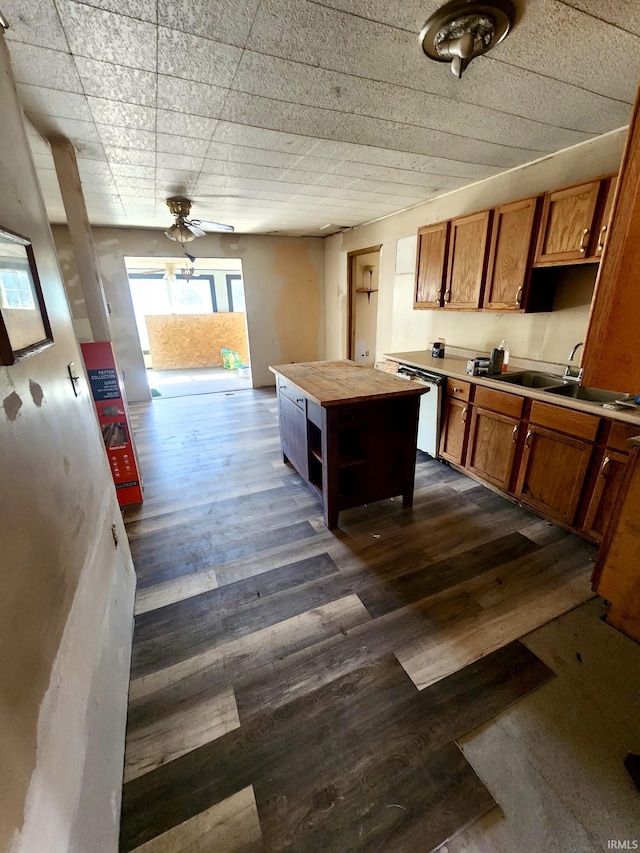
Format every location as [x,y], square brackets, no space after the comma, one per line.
[589,395]
[530,379]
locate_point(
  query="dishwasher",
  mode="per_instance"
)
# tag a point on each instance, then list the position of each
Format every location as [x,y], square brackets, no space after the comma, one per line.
[430,406]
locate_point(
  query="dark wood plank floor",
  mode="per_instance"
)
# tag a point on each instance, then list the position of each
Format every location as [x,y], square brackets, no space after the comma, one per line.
[295,689]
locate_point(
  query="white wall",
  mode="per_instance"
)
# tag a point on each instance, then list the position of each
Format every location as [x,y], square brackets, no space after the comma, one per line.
[66,591]
[547,337]
[283,282]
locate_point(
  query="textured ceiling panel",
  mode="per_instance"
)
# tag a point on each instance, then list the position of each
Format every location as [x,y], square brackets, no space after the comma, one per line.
[290,115]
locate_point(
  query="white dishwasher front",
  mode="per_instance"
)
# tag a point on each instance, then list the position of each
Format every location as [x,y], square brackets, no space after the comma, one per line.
[430,407]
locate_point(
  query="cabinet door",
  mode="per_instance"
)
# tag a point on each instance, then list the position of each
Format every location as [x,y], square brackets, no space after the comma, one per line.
[566,229]
[431,265]
[455,429]
[510,257]
[293,434]
[605,493]
[492,446]
[467,260]
[552,472]
[607,206]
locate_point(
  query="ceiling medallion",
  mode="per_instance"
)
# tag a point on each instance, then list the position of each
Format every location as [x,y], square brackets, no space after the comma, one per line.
[464,29]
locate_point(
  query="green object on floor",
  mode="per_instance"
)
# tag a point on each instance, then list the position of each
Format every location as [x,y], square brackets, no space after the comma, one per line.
[155,393]
[230,358]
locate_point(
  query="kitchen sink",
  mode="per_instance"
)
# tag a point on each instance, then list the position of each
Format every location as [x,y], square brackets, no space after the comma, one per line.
[589,395]
[530,379]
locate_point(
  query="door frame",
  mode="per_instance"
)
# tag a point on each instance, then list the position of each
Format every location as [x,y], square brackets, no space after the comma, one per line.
[351,295]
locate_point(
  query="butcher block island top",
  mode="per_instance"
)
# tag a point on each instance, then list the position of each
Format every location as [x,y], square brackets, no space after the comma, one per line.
[349,431]
[332,383]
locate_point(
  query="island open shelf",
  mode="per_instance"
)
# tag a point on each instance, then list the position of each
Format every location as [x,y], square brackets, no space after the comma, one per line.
[349,431]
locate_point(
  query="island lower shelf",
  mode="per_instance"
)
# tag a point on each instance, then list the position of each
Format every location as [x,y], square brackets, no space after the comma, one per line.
[350,451]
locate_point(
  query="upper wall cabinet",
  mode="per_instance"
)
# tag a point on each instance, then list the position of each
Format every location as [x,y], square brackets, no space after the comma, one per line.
[510,257]
[467,259]
[609,188]
[431,265]
[567,226]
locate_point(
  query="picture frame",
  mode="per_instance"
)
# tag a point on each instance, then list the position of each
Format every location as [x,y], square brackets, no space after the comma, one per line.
[24,323]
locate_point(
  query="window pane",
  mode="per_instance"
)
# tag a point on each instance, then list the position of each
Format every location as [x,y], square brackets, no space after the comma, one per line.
[191,297]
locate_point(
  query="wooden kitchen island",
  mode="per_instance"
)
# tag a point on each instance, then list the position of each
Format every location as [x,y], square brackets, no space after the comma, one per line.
[349,431]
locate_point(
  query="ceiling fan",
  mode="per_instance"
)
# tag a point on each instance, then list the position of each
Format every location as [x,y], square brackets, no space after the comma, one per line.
[184,230]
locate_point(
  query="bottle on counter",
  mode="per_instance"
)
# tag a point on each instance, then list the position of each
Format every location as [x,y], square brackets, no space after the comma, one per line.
[505,354]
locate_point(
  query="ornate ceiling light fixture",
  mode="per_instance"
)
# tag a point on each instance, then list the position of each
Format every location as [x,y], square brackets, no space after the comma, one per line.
[463,29]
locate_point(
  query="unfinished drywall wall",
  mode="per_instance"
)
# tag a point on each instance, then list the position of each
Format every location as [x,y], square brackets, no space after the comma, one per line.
[284,293]
[547,337]
[66,590]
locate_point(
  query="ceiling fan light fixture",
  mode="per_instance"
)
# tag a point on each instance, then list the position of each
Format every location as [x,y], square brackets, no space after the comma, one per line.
[179,233]
[463,29]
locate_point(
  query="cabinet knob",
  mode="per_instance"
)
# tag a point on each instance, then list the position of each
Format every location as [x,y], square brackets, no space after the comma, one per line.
[457,390]
[605,465]
[514,434]
[583,241]
[603,232]
[527,441]
[447,295]
[464,414]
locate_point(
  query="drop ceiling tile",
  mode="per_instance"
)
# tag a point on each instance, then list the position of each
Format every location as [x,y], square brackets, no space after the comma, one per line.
[168,143]
[118,114]
[127,185]
[36,99]
[210,18]
[142,10]
[129,156]
[394,175]
[597,56]
[115,82]
[76,131]
[186,162]
[87,168]
[409,15]
[243,154]
[391,189]
[180,123]
[139,200]
[311,163]
[311,121]
[124,170]
[196,98]
[90,150]
[127,137]
[263,137]
[36,22]
[108,37]
[296,83]
[242,170]
[35,65]
[190,57]
[625,15]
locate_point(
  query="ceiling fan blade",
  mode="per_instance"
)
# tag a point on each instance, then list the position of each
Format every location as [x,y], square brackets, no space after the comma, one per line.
[216,226]
[194,228]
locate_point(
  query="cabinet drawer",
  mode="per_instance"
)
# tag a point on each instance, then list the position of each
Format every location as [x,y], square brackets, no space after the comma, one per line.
[499,401]
[458,389]
[578,424]
[294,394]
[620,434]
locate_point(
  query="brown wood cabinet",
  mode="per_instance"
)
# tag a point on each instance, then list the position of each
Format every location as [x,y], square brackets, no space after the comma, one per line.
[611,357]
[467,260]
[455,429]
[431,265]
[567,224]
[293,433]
[493,439]
[606,491]
[552,473]
[609,189]
[511,256]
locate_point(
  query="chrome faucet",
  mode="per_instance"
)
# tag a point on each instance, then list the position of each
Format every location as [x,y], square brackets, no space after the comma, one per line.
[571,373]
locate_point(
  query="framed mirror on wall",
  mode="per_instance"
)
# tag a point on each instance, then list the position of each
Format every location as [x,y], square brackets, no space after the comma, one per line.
[24,325]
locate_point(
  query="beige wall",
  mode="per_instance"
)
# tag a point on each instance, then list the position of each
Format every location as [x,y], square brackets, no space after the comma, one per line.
[66,599]
[365,308]
[538,336]
[283,282]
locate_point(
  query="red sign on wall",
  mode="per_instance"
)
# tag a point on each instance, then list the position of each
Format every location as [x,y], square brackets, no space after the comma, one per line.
[112,417]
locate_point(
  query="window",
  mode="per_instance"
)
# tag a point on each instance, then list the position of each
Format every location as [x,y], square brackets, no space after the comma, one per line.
[15,289]
[235,292]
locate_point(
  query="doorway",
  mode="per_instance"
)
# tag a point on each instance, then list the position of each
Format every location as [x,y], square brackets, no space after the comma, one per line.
[191,322]
[363,273]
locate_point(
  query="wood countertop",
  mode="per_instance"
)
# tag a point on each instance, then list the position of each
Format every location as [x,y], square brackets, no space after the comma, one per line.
[333,383]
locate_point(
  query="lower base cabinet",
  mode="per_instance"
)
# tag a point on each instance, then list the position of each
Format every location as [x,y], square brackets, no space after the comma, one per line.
[552,473]
[455,428]
[605,493]
[492,446]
